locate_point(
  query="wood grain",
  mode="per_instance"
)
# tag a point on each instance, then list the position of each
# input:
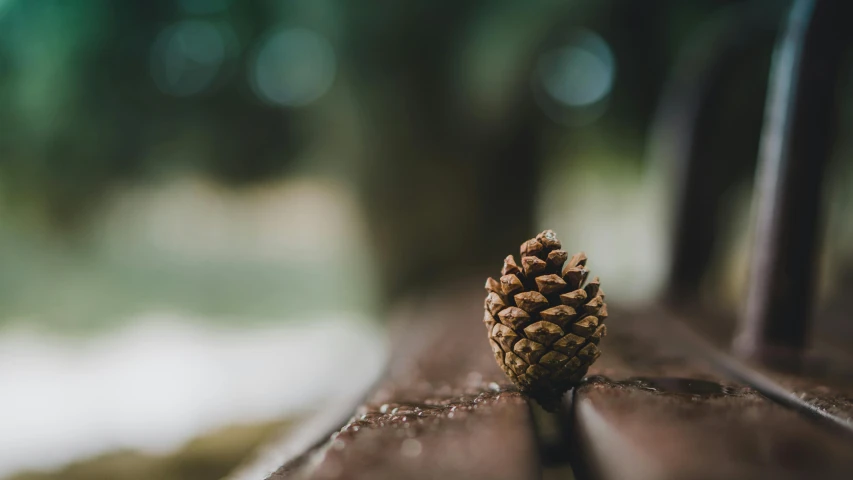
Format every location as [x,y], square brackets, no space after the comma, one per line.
[656,411]
[443,411]
[819,378]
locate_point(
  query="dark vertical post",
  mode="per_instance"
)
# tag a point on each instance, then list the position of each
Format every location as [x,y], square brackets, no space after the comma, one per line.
[796,145]
[687,130]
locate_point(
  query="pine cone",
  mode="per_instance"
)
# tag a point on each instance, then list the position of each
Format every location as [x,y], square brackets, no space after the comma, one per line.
[544,324]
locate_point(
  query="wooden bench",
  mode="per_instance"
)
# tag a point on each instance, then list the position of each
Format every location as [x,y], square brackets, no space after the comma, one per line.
[658,405]
[666,399]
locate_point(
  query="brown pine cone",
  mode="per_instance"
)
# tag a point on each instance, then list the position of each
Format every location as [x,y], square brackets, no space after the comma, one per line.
[544,323]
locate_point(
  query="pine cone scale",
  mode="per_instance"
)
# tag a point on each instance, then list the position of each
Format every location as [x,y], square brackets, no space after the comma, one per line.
[574,298]
[585,326]
[514,318]
[529,350]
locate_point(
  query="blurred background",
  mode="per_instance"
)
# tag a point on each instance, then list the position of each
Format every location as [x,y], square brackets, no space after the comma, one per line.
[206,206]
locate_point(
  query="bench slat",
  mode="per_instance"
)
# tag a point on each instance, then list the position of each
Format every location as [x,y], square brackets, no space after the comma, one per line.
[444,409]
[657,412]
[820,380]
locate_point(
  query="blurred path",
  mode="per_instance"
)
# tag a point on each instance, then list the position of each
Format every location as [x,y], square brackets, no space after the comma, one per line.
[167,378]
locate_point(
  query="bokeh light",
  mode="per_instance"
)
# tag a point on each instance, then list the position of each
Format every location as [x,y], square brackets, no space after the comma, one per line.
[576,78]
[293,67]
[187,56]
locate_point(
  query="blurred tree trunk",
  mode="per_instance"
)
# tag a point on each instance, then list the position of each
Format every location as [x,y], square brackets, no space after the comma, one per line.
[446,192]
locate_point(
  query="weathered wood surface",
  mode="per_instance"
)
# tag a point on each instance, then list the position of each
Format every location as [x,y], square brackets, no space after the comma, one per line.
[444,410]
[818,378]
[302,436]
[656,405]
[656,411]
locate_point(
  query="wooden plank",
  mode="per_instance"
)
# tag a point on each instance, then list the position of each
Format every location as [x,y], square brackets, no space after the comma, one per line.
[816,381]
[825,399]
[444,409]
[295,440]
[654,410]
